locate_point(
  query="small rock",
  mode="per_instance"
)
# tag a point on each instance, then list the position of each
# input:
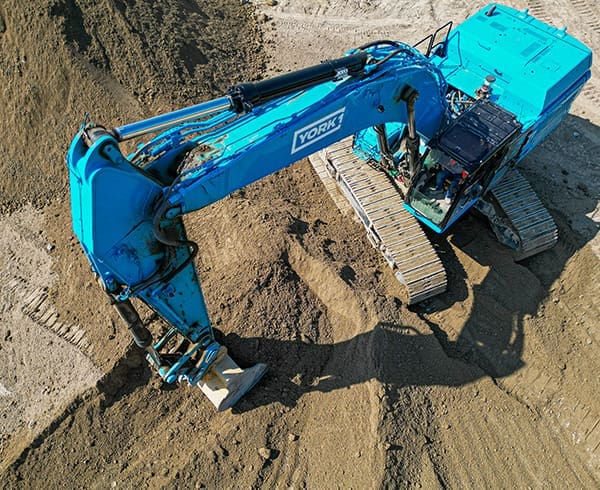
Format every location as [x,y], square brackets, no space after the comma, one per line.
[305,339]
[265,453]
[576,134]
[114,484]
[49,247]
[292,437]
[589,341]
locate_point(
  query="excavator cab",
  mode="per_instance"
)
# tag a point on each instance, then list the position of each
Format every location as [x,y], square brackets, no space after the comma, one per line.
[460,164]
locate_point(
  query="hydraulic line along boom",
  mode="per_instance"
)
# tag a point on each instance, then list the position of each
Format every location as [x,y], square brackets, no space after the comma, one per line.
[422,141]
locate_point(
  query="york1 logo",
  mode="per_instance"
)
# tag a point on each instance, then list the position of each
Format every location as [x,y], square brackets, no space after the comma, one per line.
[317,130]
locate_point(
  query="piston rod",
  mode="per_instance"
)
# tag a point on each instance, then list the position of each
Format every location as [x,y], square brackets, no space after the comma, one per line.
[244,96]
[164,121]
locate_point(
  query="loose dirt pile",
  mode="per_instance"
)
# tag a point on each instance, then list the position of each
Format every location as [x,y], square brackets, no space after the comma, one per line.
[491,384]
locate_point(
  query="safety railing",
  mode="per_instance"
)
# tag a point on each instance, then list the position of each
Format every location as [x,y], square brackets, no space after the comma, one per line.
[432,38]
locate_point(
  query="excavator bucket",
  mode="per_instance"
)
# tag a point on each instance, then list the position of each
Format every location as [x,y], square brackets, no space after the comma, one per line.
[226,382]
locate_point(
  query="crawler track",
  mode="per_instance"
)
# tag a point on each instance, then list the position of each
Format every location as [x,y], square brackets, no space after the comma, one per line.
[390,228]
[526,214]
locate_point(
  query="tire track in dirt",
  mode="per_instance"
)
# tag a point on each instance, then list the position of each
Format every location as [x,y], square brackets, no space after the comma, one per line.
[591,93]
[527,379]
[589,12]
[333,20]
[538,10]
[563,402]
[504,436]
[33,301]
[44,362]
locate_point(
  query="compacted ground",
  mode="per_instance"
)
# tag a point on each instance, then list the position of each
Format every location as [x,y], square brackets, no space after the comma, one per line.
[493,383]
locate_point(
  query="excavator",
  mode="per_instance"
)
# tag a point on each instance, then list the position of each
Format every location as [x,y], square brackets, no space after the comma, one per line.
[414,136]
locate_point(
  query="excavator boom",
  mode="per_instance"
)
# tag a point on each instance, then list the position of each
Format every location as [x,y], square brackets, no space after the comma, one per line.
[392,101]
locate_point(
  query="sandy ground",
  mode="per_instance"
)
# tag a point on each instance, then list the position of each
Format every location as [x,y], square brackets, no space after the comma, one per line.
[493,384]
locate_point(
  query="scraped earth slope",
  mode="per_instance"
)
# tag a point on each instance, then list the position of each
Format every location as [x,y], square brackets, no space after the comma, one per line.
[362,392]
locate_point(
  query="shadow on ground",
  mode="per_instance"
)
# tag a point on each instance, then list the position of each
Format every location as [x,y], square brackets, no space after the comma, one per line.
[496,302]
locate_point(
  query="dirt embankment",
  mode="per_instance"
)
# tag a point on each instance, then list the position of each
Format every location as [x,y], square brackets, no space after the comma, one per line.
[491,384]
[118,60]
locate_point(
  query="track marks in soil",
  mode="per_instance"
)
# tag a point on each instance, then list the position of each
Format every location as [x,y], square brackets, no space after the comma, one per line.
[35,304]
[582,423]
[27,277]
[332,20]
[43,361]
[538,10]
[591,93]
[526,378]
[504,434]
[588,11]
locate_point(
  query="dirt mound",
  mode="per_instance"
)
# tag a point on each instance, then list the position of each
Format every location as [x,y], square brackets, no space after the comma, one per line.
[119,61]
[362,391]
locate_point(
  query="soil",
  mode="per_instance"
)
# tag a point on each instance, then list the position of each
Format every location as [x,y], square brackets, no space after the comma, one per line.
[492,384]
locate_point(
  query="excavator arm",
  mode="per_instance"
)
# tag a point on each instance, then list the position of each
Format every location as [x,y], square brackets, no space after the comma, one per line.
[127,210]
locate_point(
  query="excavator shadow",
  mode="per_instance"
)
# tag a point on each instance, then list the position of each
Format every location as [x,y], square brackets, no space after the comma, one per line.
[129,373]
[478,327]
[490,291]
[392,354]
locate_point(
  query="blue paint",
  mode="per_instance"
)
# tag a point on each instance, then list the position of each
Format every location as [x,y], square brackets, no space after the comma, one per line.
[539,70]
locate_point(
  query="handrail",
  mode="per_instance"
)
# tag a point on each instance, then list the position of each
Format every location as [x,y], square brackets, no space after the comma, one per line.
[433,36]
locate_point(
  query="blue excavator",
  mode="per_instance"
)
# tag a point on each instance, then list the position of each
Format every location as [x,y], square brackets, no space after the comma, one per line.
[414,137]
